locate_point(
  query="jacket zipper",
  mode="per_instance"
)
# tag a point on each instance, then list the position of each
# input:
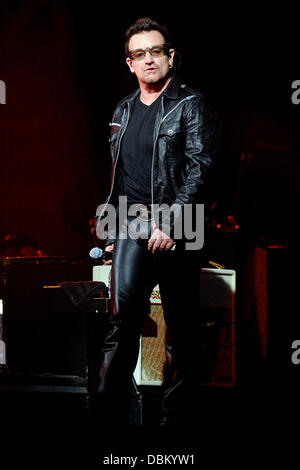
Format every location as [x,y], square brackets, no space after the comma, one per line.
[117,157]
[152,164]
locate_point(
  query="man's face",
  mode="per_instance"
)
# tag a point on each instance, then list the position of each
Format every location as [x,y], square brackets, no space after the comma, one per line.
[149,69]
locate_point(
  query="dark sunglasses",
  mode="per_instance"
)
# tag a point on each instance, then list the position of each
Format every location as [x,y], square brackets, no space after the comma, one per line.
[155,51]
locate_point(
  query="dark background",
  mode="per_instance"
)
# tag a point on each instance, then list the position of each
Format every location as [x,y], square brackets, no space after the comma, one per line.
[64,68]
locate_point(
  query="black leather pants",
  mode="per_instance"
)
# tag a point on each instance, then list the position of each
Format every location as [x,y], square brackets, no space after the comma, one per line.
[135,271]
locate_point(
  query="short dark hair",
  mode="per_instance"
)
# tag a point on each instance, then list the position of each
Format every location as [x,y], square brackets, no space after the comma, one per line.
[146,24]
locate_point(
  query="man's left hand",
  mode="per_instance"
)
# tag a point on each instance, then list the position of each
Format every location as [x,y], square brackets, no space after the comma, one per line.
[159,240]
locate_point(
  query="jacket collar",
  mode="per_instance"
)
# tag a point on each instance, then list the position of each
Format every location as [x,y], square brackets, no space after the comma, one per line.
[172,90]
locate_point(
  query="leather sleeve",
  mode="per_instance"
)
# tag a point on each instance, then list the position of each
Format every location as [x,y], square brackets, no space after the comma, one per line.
[201,150]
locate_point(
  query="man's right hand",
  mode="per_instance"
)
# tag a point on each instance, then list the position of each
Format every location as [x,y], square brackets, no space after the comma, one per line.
[110,249]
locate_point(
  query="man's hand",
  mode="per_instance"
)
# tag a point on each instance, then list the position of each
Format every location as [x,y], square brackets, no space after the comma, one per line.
[110,249]
[159,240]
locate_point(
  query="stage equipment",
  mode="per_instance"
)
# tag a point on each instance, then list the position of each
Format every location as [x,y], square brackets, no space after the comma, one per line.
[217,293]
[42,329]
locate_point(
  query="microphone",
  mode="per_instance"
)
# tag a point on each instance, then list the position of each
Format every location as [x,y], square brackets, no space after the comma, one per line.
[96,253]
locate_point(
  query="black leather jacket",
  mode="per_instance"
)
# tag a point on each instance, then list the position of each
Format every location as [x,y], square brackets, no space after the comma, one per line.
[186,136]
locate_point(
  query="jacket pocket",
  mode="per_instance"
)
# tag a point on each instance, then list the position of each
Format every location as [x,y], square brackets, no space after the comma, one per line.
[172,140]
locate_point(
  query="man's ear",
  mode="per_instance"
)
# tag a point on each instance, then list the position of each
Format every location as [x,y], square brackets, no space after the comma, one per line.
[171,56]
[129,63]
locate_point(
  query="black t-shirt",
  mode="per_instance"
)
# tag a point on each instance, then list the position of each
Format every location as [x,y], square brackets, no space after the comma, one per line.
[136,152]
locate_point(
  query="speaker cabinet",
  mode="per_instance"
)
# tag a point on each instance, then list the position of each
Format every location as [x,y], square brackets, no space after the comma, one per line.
[217,294]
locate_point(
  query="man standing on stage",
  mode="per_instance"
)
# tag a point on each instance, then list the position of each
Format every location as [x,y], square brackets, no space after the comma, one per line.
[164,140]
